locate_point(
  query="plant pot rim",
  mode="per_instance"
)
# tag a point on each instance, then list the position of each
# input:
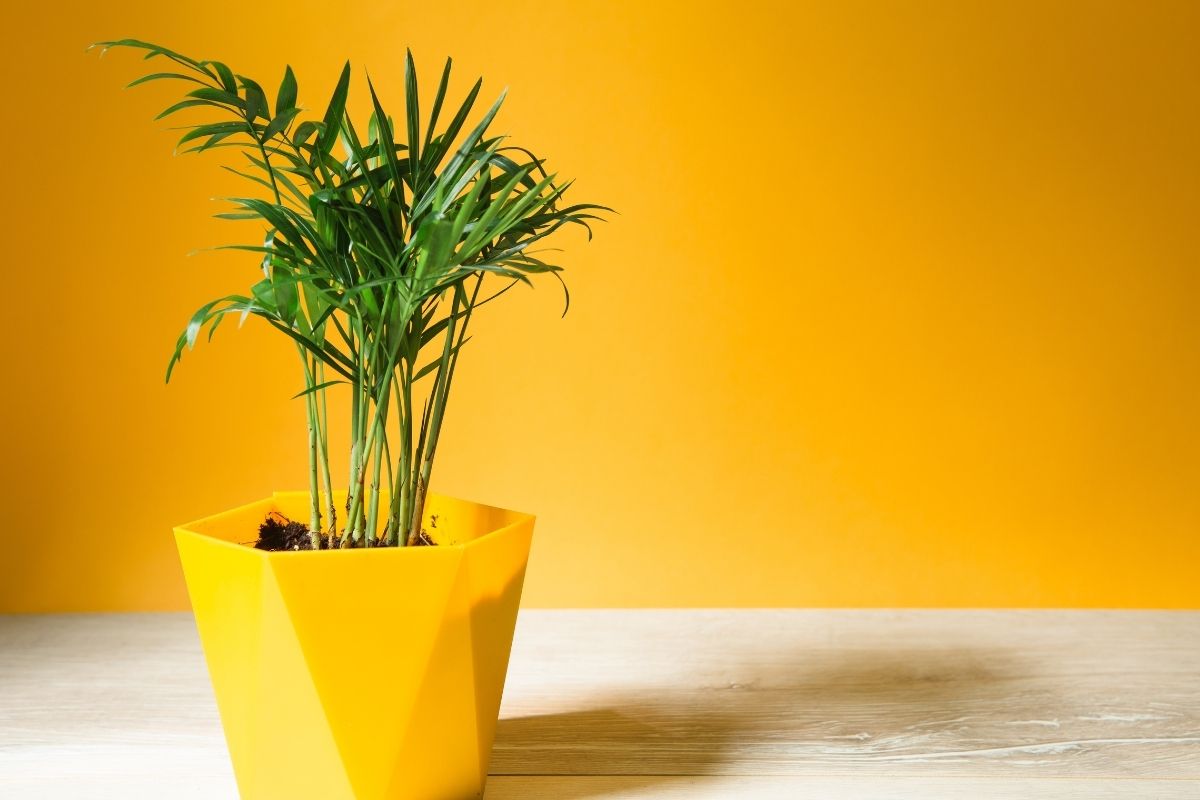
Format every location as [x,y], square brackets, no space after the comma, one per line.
[516,518]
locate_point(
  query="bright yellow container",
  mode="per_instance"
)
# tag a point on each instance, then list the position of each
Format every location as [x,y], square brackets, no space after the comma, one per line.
[358,674]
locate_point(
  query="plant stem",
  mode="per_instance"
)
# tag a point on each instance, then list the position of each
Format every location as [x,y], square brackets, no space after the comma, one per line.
[438,397]
[414,479]
[323,428]
[380,436]
[314,525]
[401,499]
[357,412]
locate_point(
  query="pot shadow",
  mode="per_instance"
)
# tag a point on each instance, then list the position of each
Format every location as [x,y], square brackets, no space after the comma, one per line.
[830,707]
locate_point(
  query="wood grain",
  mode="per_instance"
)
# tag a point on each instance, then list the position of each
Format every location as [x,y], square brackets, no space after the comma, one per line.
[757,787]
[679,704]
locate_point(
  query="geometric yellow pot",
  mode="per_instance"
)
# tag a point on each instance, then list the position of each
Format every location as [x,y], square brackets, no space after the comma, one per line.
[358,674]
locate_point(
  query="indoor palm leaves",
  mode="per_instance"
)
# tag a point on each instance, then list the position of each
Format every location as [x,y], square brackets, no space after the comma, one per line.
[373,262]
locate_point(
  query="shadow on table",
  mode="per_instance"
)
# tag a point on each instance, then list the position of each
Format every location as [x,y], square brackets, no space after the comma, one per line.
[825,706]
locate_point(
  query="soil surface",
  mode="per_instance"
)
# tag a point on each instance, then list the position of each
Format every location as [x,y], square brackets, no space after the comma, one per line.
[277,532]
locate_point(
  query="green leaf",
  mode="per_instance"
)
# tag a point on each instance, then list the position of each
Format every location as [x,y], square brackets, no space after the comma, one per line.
[256,100]
[484,231]
[264,294]
[437,102]
[197,322]
[435,255]
[304,130]
[219,128]
[182,104]
[280,123]
[159,76]
[425,370]
[566,292]
[287,298]
[226,75]
[412,110]
[435,154]
[507,165]
[153,51]
[285,100]
[467,209]
[335,112]
[385,136]
[219,96]
[317,388]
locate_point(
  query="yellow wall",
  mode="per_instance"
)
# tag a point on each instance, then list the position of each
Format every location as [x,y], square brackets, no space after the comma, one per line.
[900,310]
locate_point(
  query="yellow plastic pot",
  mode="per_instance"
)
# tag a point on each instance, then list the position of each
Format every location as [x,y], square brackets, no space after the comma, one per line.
[358,674]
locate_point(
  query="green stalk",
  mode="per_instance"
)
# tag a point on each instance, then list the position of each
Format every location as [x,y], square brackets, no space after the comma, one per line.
[355,505]
[380,436]
[397,533]
[439,396]
[323,428]
[314,525]
[414,479]
[385,535]
[314,517]
[357,413]
[382,396]
[377,439]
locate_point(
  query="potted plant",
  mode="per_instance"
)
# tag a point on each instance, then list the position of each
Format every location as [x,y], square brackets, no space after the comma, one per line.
[359,648]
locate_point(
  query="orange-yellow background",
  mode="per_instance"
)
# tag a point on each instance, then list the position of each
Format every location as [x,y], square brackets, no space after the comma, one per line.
[901,307]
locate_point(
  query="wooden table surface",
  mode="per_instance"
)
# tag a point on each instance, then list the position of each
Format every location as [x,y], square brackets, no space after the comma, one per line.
[687,705]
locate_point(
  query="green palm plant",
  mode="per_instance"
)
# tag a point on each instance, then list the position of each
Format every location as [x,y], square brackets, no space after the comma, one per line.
[373,263]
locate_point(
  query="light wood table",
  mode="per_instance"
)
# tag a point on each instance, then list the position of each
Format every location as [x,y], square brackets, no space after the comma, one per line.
[688,705]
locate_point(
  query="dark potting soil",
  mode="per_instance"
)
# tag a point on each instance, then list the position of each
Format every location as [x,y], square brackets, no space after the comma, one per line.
[277,532]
